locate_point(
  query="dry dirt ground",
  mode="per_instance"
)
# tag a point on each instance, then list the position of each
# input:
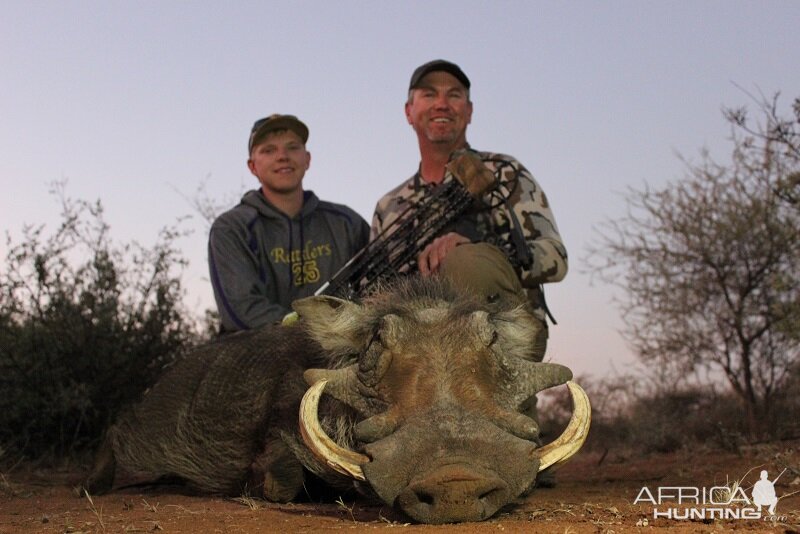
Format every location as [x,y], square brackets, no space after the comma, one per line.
[593,494]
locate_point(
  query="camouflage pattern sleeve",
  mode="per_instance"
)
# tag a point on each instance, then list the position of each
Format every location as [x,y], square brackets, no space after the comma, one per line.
[392,205]
[527,201]
[529,204]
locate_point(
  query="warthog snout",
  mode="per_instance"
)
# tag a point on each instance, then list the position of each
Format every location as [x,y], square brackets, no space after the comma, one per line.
[454,493]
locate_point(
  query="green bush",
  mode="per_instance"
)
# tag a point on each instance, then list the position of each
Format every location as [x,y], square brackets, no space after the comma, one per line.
[85,326]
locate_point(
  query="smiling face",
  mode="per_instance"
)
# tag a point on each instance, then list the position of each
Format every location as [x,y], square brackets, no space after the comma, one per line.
[279,162]
[439,110]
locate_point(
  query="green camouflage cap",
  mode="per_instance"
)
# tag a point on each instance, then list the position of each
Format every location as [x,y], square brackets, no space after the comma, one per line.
[276,121]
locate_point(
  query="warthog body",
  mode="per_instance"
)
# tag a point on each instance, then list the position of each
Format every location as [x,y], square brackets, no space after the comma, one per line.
[426,385]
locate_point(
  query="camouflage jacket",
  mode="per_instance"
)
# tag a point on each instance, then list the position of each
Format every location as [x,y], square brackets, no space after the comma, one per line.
[492,220]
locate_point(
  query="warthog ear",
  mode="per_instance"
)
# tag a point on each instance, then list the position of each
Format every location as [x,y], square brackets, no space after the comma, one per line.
[336,324]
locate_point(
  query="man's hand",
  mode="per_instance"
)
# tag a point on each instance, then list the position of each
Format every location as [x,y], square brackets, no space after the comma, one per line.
[429,259]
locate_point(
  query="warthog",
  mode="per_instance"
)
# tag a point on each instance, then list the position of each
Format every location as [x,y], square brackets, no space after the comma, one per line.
[424,388]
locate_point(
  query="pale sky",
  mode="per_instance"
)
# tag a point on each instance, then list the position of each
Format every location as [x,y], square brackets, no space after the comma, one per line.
[136,102]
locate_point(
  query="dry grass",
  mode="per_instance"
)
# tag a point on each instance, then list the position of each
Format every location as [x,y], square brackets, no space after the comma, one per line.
[150,507]
[97,513]
[349,509]
[250,502]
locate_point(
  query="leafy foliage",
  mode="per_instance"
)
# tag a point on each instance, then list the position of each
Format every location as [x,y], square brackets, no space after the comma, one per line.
[85,326]
[708,265]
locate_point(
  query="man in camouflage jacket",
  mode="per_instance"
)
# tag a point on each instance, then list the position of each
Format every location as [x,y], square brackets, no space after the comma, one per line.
[505,246]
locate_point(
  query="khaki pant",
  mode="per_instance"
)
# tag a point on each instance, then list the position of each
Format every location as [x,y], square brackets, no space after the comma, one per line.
[483,269]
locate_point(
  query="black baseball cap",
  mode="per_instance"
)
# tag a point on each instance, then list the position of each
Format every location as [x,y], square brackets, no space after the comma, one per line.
[276,121]
[438,65]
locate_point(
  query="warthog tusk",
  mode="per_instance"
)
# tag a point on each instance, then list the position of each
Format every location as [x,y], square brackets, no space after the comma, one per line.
[338,458]
[571,440]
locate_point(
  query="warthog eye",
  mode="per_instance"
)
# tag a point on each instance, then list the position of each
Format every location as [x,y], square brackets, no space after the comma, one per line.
[374,336]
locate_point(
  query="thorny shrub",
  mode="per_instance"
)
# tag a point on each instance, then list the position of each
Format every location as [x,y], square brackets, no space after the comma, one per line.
[642,414]
[85,326]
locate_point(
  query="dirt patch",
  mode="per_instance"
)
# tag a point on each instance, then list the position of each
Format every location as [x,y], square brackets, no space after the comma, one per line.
[590,496]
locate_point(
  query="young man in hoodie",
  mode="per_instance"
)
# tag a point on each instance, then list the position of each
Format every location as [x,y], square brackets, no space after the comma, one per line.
[281,242]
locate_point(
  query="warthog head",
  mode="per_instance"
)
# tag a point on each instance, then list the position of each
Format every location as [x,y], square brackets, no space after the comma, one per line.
[439,381]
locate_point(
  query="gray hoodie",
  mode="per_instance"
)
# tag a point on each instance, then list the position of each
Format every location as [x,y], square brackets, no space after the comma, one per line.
[260,259]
